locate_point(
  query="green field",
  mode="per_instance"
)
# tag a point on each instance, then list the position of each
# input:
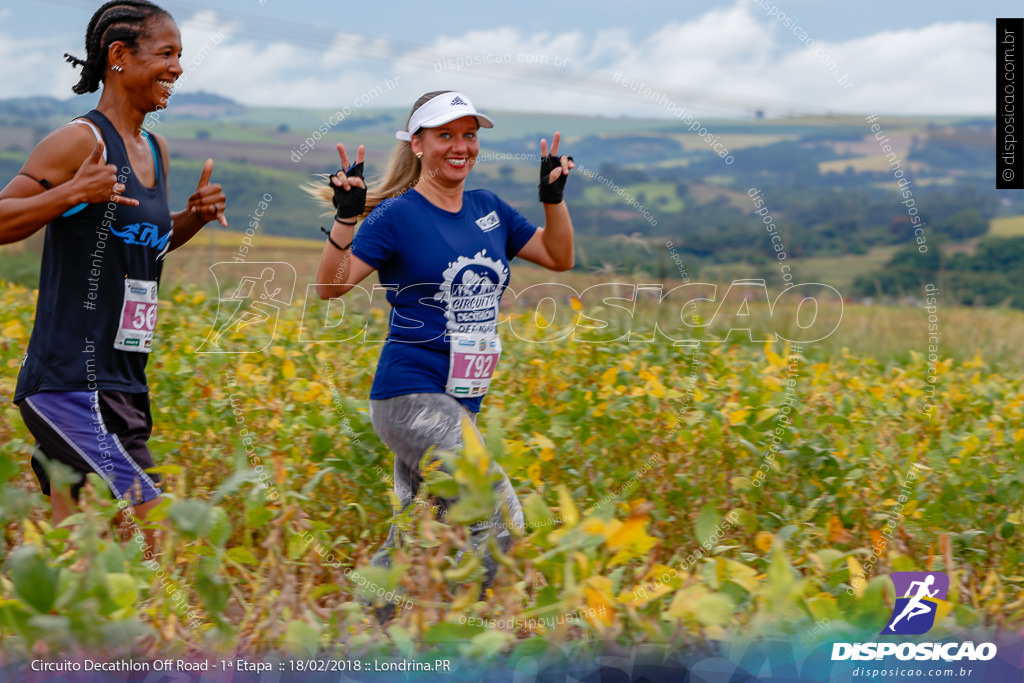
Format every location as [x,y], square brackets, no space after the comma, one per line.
[1011,226]
[660,196]
[632,460]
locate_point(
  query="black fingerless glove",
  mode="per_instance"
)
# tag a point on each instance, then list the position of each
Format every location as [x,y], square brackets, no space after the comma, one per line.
[551,193]
[349,203]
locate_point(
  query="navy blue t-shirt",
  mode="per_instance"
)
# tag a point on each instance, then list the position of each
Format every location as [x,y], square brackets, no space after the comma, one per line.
[100,272]
[445,272]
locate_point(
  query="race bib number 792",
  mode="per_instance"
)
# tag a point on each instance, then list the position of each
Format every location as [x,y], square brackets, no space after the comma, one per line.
[473,359]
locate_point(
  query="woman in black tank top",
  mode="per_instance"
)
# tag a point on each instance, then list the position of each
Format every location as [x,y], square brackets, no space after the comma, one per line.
[99,185]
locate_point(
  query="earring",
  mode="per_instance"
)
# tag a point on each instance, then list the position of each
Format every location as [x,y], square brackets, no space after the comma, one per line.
[419,155]
[117,67]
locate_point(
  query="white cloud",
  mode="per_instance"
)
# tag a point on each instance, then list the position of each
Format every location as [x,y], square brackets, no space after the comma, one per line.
[733,59]
[942,68]
[34,66]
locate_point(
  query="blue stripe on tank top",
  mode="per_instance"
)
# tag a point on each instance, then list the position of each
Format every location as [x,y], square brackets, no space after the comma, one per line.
[156,165]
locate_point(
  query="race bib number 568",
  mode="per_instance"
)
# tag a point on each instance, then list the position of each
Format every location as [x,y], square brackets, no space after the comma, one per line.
[138,316]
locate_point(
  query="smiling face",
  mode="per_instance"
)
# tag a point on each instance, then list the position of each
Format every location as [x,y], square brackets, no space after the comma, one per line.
[152,68]
[449,151]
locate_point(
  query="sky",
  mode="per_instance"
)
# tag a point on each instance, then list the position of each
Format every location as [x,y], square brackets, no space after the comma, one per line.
[721,58]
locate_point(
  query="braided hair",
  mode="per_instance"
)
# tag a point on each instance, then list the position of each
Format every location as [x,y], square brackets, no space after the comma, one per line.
[119,20]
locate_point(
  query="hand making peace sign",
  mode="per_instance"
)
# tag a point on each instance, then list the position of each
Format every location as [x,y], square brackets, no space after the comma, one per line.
[553,171]
[349,187]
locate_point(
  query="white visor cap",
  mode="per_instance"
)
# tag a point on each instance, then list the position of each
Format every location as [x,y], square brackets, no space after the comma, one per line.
[440,110]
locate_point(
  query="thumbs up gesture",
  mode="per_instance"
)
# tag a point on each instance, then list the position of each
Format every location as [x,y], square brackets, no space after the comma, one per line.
[208,201]
[96,182]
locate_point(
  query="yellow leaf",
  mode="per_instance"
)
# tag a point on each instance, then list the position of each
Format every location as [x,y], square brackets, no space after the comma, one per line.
[741,574]
[288,369]
[575,303]
[942,609]
[857,579]
[474,447]
[567,507]
[546,445]
[598,590]
[766,414]
[763,541]
[990,583]
[542,441]
[630,540]
[596,527]
[628,532]
[683,603]
[738,416]
[877,539]
[584,563]
[714,609]
[199,298]
[14,330]
[533,472]
[609,376]
[836,532]
[30,533]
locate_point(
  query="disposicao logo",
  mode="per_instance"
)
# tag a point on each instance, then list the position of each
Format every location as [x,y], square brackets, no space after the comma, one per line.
[918,595]
[914,613]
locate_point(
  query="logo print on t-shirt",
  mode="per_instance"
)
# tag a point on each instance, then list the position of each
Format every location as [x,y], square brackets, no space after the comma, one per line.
[488,222]
[471,292]
[143,234]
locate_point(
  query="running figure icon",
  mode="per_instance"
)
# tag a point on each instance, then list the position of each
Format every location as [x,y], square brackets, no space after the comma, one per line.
[915,606]
[250,299]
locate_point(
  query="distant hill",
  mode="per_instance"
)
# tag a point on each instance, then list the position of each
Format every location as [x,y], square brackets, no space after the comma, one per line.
[32,111]
[827,183]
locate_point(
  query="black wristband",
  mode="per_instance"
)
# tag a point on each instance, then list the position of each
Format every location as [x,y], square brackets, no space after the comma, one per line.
[350,203]
[551,193]
[331,240]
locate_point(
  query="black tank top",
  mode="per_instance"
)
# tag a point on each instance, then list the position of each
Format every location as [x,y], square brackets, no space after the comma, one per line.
[97,288]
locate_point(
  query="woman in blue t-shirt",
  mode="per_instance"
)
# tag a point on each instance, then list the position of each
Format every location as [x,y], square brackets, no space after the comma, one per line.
[99,184]
[443,254]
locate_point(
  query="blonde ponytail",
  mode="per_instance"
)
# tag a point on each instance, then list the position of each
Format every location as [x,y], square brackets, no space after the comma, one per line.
[402,172]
